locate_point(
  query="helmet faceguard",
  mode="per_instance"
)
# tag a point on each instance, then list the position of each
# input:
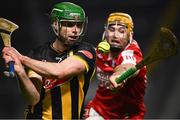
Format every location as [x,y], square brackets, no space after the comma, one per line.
[69,12]
[122,19]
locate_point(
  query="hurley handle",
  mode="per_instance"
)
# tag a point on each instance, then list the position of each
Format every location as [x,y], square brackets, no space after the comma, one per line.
[11,69]
[126,74]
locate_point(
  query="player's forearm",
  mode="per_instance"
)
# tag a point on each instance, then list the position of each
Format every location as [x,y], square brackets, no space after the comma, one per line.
[123,68]
[28,90]
[45,69]
[63,70]
[49,69]
[117,78]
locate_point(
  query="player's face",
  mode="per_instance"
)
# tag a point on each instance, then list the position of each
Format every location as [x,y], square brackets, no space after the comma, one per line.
[70,31]
[117,36]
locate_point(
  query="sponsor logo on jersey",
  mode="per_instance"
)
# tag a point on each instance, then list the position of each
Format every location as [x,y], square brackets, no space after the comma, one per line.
[86,53]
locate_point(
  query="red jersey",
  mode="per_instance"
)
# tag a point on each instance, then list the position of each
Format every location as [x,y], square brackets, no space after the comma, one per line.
[129,100]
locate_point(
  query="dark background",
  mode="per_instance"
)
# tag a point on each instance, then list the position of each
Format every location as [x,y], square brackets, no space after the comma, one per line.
[162,93]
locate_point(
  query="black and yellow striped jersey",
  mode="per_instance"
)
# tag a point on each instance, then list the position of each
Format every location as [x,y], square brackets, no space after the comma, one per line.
[65,101]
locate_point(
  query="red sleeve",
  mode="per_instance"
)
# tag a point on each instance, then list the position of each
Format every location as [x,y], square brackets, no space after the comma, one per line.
[132,54]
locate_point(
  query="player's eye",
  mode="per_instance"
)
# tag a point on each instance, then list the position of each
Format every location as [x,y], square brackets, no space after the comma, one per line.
[111,29]
[121,30]
[79,24]
[72,24]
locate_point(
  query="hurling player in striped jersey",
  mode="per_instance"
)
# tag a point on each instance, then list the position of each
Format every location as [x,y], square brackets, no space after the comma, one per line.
[59,71]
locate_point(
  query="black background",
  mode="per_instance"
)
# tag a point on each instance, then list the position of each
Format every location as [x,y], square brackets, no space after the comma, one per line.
[162,93]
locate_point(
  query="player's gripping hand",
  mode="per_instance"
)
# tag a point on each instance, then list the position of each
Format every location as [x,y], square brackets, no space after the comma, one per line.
[6,56]
[113,78]
[11,54]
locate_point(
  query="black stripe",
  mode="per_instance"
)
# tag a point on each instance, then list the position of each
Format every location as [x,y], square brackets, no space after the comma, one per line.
[74,97]
[56,103]
[85,88]
[38,108]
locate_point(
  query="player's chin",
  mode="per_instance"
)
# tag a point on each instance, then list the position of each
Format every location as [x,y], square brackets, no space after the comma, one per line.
[70,43]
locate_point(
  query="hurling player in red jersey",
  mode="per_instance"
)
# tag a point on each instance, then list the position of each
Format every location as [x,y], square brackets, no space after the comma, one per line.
[128,101]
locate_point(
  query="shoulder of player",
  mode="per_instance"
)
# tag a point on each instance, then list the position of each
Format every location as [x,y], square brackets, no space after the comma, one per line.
[85,49]
[39,50]
[86,44]
[134,48]
[41,47]
[133,45]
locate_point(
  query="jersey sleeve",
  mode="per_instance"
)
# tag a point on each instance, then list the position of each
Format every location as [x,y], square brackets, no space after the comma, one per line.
[131,55]
[87,55]
[35,55]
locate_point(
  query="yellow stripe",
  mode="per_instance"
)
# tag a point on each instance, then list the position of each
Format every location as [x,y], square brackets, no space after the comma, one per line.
[81,93]
[66,101]
[93,73]
[83,61]
[47,106]
[70,53]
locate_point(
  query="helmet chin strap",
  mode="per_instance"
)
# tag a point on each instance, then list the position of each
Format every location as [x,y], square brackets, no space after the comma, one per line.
[130,37]
[56,29]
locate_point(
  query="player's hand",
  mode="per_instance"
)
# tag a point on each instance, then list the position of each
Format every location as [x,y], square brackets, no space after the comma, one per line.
[113,81]
[11,54]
